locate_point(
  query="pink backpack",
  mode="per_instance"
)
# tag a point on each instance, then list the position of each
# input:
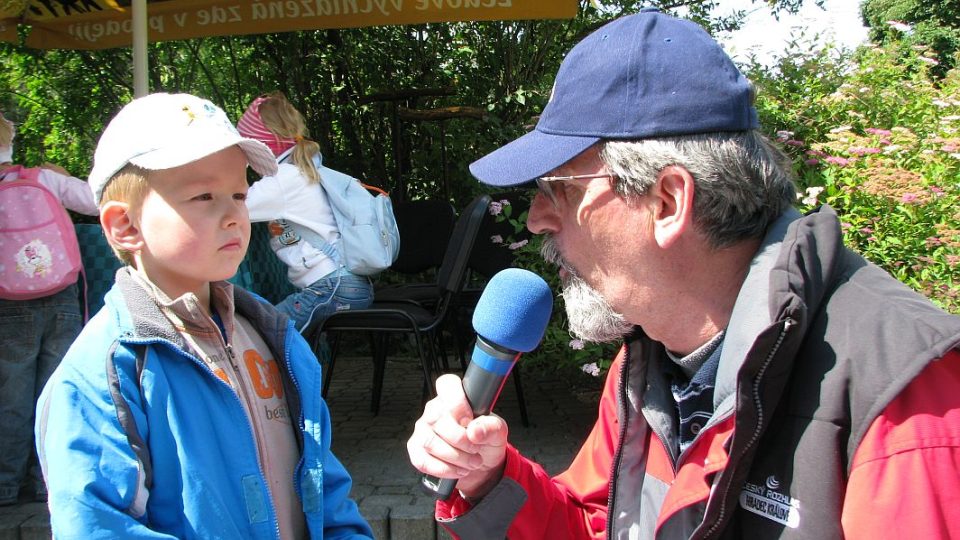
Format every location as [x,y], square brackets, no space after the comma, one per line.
[39,254]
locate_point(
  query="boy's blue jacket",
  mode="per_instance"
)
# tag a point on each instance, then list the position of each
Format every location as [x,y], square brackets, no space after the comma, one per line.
[138,438]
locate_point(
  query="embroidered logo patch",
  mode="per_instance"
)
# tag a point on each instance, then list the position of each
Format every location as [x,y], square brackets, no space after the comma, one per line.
[767,501]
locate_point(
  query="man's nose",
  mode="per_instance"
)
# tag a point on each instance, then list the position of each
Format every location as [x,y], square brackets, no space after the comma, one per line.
[543,216]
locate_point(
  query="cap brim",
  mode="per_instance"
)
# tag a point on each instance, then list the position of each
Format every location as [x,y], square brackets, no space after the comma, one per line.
[528,158]
[258,155]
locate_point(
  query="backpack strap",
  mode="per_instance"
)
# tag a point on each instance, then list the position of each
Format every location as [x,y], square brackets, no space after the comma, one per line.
[31,174]
[374,188]
[318,242]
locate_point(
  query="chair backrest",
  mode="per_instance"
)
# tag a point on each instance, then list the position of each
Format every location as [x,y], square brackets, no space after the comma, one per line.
[489,256]
[261,271]
[100,265]
[453,271]
[425,229]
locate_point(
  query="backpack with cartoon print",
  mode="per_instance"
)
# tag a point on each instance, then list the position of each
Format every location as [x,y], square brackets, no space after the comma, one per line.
[39,254]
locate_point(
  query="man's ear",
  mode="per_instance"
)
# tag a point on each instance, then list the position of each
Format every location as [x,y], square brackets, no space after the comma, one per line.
[672,200]
[120,227]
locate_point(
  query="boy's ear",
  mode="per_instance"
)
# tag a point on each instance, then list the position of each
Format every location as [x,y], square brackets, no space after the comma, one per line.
[673,204]
[119,226]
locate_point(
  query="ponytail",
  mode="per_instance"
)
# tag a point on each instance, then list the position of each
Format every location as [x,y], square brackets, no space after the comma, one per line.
[303,152]
[285,121]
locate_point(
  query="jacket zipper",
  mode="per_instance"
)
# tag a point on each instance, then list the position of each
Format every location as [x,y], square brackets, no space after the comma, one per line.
[236,397]
[236,371]
[787,325]
[617,458]
[303,450]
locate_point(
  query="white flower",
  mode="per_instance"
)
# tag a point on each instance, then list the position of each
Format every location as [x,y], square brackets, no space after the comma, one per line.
[576,344]
[496,239]
[840,129]
[591,369]
[517,245]
[783,135]
[899,26]
[495,208]
[812,193]
[505,202]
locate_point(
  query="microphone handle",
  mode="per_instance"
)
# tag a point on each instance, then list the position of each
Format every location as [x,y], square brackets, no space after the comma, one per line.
[488,370]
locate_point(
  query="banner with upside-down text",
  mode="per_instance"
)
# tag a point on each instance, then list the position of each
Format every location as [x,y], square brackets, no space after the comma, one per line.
[101,24]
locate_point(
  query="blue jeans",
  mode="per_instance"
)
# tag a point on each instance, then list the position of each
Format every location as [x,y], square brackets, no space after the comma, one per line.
[338,291]
[35,334]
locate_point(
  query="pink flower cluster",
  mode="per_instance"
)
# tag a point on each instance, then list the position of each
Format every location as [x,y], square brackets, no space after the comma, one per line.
[496,207]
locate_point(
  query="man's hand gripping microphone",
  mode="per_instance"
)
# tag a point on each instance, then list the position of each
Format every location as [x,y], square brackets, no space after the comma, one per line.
[510,318]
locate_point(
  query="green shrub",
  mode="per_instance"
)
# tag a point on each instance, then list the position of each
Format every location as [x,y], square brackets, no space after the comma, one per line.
[882,148]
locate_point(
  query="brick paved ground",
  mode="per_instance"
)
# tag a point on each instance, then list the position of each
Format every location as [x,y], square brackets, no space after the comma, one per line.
[373,448]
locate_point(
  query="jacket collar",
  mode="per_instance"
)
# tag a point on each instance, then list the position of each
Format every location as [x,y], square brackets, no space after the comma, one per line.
[751,313]
[147,322]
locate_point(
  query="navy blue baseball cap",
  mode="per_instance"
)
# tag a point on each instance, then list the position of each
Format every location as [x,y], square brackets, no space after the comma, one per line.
[639,76]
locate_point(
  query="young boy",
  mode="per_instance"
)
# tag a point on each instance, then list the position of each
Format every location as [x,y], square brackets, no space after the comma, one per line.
[186,407]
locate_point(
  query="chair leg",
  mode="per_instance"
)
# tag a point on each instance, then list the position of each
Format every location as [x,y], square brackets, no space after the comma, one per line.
[334,345]
[428,358]
[443,352]
[378,351]
[520,401]
[462,346]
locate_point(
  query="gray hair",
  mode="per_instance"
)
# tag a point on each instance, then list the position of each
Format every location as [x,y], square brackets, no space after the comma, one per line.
[743,182]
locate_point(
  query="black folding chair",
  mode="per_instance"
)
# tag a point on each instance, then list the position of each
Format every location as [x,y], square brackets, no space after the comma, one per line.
[405,317]
[425,229]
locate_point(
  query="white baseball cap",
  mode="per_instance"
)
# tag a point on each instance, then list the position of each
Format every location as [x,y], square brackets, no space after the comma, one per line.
[162,131]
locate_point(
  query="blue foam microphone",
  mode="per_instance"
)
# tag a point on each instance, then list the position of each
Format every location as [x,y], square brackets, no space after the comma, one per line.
[510,318]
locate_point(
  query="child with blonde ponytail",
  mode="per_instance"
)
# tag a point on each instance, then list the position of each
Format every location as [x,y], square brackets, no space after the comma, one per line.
[303,229]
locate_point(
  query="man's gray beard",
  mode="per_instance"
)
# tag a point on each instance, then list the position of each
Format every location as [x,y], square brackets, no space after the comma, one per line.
[589,315]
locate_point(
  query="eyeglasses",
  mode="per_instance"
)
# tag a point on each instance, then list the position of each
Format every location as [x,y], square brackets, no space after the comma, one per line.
[543,183]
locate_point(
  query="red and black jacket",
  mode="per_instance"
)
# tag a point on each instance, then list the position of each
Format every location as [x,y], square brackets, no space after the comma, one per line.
[837,415]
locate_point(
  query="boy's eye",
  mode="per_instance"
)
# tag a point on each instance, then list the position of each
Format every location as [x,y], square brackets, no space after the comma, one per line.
[203,197]
[240,196]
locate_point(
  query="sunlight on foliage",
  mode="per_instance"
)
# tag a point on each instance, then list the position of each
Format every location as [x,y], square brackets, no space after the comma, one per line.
[881,145]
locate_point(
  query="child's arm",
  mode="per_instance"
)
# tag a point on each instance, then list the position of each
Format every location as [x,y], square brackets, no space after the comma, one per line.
[95,480]
[266,199]
[73,193]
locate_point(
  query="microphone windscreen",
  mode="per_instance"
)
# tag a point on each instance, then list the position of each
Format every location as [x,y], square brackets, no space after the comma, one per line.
[514,310]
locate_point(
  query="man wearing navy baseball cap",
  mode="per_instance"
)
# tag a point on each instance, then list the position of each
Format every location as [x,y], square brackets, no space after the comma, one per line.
[771,384]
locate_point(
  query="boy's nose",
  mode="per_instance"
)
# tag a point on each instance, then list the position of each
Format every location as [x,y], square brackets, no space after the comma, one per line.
[234,213]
